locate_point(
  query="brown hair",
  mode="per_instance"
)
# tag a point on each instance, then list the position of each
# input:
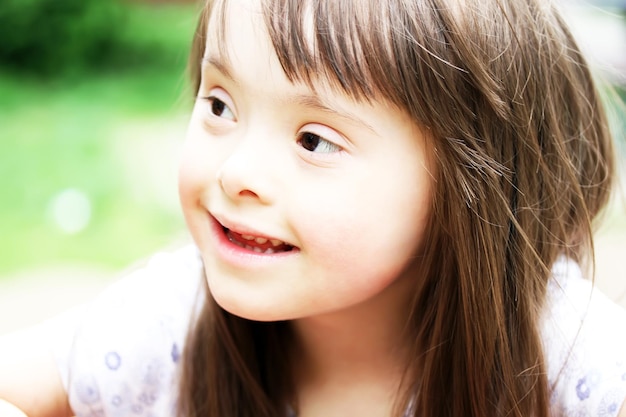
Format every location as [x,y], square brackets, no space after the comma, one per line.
[525,163]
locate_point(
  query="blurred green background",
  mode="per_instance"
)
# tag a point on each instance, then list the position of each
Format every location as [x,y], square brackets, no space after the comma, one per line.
[93,105]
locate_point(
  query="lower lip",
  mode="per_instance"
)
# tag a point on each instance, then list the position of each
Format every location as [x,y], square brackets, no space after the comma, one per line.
[241,257]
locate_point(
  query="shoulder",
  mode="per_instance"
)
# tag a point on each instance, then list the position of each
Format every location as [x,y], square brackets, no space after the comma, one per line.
[124,350]
[584,336]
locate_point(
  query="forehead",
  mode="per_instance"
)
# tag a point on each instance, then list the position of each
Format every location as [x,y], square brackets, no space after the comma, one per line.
[229,21]
[239,46]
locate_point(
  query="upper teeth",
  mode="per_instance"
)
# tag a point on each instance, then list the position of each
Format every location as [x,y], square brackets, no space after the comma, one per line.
[262,240]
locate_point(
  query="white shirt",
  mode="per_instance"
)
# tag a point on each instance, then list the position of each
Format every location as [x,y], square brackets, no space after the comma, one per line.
[120,355]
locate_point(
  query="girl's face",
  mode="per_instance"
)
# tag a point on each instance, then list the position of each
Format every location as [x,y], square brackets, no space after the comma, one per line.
[301,202]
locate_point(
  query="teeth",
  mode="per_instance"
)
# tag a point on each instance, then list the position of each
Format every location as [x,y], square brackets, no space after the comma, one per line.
[263,240]
[256,249]
[259,240]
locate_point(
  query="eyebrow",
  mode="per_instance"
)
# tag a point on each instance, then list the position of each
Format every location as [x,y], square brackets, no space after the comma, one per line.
[310,101]
[220,64]
[314,102]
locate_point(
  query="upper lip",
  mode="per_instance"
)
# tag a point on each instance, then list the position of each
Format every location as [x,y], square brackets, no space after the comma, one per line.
[240,228]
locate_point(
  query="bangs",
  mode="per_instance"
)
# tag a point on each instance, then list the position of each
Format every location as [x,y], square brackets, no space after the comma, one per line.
[396,51]
[347,45]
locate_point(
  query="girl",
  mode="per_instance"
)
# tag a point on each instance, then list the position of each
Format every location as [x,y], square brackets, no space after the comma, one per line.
[390,201]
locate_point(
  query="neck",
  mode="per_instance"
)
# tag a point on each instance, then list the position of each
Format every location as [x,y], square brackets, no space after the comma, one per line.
[352,362]
[365,341]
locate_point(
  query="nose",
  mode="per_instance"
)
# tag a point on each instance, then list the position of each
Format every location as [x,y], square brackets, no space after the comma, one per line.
[246,174]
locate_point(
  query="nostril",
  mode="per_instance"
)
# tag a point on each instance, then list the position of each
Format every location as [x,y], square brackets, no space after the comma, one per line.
[239,179]
[248,193]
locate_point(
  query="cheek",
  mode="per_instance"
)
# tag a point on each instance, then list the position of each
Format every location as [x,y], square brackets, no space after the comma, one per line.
[370,233]
[190,192]
[188,184]
[194,179]
[196,166]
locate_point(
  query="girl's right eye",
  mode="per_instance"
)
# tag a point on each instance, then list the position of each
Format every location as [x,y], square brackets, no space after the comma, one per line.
[218,106]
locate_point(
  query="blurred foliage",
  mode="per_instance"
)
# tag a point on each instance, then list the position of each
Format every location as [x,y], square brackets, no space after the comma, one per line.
[48,37]
[90,92]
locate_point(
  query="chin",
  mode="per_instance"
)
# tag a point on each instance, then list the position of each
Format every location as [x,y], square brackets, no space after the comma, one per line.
[247,309]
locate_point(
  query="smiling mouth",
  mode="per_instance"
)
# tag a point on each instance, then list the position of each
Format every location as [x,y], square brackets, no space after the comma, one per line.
[257,244]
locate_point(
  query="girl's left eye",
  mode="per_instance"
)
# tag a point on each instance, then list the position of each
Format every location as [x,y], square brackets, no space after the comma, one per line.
[315,143]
